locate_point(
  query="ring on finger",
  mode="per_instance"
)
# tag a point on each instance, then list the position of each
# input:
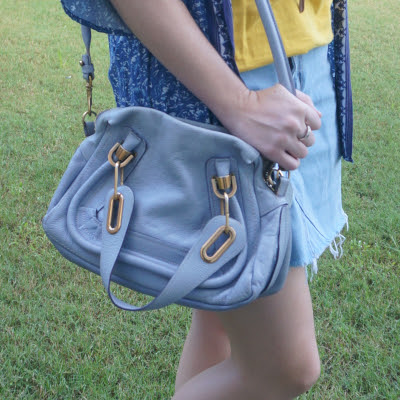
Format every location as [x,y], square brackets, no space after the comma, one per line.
[307,133]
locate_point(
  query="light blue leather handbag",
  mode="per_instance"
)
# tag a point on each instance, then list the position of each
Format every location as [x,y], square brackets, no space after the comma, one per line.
[178,210]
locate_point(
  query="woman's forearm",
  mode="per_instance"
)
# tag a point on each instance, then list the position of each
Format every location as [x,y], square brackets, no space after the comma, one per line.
[167,29]
[272,120]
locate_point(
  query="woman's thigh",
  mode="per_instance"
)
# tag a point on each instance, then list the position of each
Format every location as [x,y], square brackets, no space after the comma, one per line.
[275,333]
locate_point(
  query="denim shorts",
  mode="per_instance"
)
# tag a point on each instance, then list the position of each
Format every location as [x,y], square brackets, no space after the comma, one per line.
[317,214]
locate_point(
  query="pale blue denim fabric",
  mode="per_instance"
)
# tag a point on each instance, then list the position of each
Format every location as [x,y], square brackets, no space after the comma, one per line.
[317,214]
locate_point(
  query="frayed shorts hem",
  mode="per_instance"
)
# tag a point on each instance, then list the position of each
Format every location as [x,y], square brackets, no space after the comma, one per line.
[334,244]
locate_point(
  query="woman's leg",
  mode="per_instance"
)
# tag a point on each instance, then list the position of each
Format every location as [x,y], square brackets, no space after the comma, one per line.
[274,352]
[206,345]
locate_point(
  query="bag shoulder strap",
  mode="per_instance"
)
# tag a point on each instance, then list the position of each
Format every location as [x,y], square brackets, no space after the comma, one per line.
[275,42]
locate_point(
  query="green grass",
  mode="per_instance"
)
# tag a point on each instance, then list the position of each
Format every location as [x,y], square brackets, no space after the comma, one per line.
[60,337]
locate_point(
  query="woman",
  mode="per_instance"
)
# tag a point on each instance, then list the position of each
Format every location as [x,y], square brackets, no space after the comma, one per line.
[182,61]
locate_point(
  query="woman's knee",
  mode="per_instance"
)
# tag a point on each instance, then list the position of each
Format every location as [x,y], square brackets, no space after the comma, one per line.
[292,378]
[304,373]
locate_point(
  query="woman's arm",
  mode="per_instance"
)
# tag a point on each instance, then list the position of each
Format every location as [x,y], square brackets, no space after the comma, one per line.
[271,120]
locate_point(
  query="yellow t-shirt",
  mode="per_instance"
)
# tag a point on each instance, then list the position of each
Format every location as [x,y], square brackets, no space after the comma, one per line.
[300,32]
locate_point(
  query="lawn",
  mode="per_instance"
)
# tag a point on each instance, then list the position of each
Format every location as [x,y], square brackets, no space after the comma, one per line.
[60,337]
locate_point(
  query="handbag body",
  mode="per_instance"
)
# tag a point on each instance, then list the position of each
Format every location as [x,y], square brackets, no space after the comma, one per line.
[178,210]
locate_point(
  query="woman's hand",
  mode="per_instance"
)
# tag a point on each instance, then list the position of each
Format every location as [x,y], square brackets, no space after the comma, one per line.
[275,123]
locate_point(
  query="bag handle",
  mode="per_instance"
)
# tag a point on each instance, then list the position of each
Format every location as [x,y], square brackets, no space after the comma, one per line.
[191,273]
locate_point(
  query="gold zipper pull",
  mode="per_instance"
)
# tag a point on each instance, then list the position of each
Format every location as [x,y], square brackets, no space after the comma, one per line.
[301,5]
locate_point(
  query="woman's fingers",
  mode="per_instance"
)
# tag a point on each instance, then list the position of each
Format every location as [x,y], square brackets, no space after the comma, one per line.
[289,155]
[307,99]
[288,162]
[312,119]
[308,137]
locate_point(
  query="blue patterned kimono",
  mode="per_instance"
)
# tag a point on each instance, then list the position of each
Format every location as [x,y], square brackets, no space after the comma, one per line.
[139,79]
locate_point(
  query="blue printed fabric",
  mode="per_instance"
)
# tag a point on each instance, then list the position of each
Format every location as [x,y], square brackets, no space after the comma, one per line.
[339,55]
[139,79]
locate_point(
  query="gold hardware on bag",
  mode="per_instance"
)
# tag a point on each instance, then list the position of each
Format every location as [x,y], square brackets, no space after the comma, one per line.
[231,238]
[87,114]
[227,227]
[272,176]
[124,156]
[114,221]
[272,182]
[116,169]
[89,98]
[223,184]
[89,94]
